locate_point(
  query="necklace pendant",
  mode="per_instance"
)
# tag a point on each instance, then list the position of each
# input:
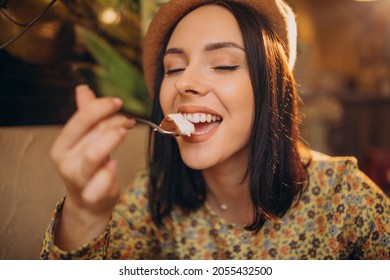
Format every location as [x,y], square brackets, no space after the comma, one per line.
[223,207]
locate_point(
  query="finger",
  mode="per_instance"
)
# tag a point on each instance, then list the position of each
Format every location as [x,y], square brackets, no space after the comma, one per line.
[84,95]
[79,163]
[116,122]
[95,134]
[83,120]
[95,154]
[102,190]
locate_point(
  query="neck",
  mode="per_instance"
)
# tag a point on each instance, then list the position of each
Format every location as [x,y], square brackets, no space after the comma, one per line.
[226,186]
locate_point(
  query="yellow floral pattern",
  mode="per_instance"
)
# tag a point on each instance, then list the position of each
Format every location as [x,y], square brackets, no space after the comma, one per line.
[342,214]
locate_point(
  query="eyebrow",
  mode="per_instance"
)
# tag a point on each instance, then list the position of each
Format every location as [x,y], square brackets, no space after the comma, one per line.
[208,47]
[221,45]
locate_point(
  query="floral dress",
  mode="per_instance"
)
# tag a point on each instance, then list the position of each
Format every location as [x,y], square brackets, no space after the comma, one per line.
[342,214]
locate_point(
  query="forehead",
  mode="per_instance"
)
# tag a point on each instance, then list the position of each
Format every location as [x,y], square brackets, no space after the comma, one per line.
[207,23]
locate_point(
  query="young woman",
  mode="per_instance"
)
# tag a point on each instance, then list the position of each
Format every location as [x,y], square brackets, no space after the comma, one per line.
[241,187]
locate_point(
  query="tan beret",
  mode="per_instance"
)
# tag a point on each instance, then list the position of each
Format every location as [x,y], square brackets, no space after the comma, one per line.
[277,13]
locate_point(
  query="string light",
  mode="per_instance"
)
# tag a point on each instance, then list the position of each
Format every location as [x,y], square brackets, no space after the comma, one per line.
[109,16]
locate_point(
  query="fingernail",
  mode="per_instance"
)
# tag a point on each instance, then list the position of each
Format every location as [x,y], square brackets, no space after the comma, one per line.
[118,102]
[132,122]
[82,87]
[112,164]
[122,130]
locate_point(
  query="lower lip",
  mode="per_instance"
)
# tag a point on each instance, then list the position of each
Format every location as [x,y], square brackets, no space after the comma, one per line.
[203,136]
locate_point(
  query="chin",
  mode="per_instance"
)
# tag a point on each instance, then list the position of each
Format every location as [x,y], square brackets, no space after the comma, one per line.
[197,164]
[196,159]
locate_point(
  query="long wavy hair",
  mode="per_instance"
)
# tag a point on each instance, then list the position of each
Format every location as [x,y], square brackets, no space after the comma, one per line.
[275,170]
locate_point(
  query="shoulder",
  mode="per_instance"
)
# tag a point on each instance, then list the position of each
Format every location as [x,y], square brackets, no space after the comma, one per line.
[328,170]
[133,203]
[132,209]
[348,209]
[137,192]
[339,179]
[341,176]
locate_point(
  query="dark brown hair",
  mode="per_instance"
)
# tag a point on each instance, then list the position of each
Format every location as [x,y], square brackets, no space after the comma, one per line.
[275,170]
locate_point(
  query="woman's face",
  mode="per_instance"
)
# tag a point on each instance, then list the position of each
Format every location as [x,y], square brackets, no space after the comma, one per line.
[207,80]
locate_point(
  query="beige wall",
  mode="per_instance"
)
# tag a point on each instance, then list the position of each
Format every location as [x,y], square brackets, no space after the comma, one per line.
[30,186]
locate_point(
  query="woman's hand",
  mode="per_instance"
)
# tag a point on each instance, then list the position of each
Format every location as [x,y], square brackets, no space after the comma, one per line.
[82,156]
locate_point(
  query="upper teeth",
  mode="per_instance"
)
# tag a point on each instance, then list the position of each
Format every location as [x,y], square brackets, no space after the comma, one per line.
[201,117]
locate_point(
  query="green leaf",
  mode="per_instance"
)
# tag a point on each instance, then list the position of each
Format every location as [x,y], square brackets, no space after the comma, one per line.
[97,79]
[115,76]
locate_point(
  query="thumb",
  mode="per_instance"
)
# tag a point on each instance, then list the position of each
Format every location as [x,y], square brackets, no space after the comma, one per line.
[84,95]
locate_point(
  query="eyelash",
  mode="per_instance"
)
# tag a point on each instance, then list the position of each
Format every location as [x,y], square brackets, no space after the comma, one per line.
[173,71]
[218,68]
[226,68]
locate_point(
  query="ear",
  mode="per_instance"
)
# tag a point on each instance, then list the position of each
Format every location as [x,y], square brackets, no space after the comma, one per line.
[84,95]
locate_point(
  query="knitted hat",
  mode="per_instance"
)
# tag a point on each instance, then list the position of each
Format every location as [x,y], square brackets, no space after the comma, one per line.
[277,13]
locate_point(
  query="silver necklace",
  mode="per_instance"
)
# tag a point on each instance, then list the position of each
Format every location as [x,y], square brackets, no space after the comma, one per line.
[223,207]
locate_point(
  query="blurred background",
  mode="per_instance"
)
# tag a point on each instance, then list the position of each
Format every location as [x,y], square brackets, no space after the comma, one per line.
[342,70]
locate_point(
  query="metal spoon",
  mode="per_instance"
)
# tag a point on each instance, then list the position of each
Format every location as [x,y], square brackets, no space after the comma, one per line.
[156,127]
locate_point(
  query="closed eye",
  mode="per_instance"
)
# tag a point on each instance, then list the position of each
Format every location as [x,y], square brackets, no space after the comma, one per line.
[226,67]
[173,71]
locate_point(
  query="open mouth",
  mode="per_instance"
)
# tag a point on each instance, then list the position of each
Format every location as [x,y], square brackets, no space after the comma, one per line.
[203,122]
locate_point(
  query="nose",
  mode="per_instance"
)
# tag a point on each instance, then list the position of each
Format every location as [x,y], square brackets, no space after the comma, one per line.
[191,81]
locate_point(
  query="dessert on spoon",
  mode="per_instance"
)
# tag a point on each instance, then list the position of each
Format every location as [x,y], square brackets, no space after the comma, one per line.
[172,124]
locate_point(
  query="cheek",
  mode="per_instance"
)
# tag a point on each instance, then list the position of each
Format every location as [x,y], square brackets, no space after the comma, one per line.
[166,99]
[241,114]
[240,100]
